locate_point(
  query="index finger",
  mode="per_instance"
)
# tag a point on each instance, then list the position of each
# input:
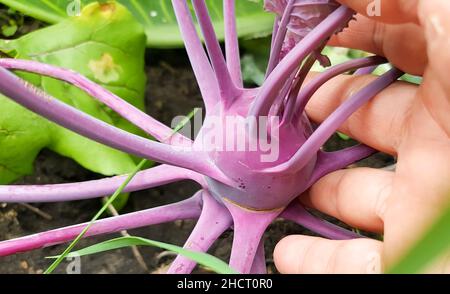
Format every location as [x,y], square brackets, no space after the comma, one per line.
[403,45]
[379,123]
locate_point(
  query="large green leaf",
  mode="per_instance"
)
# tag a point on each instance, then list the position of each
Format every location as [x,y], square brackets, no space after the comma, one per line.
[204,259]
[22,135]
[107,45]
[157,16]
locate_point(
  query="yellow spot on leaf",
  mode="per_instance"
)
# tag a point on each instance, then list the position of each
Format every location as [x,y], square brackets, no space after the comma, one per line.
[104,69]
[108,8]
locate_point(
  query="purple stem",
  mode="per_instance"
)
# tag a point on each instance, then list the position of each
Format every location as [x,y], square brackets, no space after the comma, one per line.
[279,104]
[134,115]
[213,222]
[298,214]
[290,106]
[157,176]
[227,88]
[306,94]
[366,70]
[259,266]
[71,118]
[334,121]
[276,27]
[249,227]
[187,209]
[277,41]
[328,162]
[203,71]
[284,69]
[232,43]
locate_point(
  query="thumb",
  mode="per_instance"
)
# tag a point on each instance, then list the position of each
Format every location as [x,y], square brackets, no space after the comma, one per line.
[312,255]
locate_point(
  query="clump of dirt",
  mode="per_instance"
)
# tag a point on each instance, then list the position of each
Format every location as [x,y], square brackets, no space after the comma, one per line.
[172,91]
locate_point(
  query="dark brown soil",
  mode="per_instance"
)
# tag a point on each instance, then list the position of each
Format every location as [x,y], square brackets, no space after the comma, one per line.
[172,91]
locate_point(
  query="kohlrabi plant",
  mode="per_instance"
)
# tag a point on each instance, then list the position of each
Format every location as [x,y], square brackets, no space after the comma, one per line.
[256,152]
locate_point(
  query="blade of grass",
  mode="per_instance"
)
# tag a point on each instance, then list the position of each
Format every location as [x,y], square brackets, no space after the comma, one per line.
[55,264]
[204,259]
[111,199]
[184,121]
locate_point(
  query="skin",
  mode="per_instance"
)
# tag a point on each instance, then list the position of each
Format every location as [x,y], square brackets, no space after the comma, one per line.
[407,121]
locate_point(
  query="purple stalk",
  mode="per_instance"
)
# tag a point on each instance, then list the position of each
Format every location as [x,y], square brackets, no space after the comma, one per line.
[139,118]
[154,177]
[231,42]
[259,266]
[203,71]
[213,222]
[277,42]
[328,162]
[283,70]
[292,99]
[276,27]
[245,241]
[336,119]
[306,94]
[298,214]
[279,104]
[97,130]
[187,209]
[227,88]
[366,70]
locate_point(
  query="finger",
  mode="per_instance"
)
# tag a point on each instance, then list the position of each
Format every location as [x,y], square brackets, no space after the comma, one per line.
[436,86]
[391,11]
[403,45]
[313,255]
[356,196]
[420,194]
[378,123]
[435,20]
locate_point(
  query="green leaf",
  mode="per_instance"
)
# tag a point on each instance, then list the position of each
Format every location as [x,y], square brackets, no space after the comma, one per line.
[22,135]
[204,259]
[432,245]
[412,79]
[105,44]
[255,59]
[252,72]
[156,16]
[343,136]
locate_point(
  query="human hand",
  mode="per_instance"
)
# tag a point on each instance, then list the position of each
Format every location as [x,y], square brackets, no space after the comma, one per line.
[410,122]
